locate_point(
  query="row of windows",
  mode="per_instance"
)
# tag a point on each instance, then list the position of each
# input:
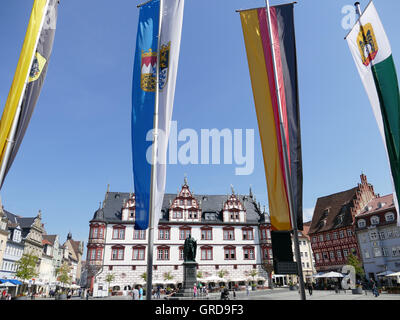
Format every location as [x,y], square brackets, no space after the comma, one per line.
[374,220]
[333,236]
[13,251]
[382,235]
[163,253]
[332,256]
[9,266]
[165,234]
[382,252]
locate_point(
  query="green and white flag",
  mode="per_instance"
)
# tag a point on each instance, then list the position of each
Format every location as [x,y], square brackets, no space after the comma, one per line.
[372,54]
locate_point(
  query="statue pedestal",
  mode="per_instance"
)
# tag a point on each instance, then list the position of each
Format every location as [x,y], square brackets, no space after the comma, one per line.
[189,280]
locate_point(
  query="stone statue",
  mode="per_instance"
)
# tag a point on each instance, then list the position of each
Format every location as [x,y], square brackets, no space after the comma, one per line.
[189,249]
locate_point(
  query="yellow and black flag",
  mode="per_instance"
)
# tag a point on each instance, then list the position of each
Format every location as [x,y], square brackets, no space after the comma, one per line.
[28,81]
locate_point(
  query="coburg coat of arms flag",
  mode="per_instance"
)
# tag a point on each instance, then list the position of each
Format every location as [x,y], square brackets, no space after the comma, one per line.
[372,55]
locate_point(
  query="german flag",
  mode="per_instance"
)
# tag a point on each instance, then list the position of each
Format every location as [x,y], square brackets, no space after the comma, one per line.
[28,80]
[255,24]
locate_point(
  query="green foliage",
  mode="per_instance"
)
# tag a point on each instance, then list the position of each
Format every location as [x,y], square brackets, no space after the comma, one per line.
[352,260]
[63,273]
[144,276]
[110,278]
[168,276]
[222,273]
[200,274]
[26,266]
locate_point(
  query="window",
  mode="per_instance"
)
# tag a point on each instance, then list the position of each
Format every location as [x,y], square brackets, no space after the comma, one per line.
[377,252]
[92,254]
[326,257]
[119,233]
[361,223]
[382,235]
[184,233]
[332,255]
[117,253]
[373,235]
[230,253]
[317,256]
[206,234]
[177,214]
[366,254]
[263,234]
[314,239]
[181,255]
[248,234]
[138,253]
[248,253]
[163,253]
[385,252]
[339,254]
[229,234]
[345,252]
[271,256]
[341,234]
[374,220]
[268,234]
[321,238]
[328,237]
[335,235]
[163,234]
[139,234]
[206,253]
[389,216]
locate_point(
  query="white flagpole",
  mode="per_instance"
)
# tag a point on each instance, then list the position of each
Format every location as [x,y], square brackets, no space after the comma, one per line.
[153,185]
[10,140]
[286,163]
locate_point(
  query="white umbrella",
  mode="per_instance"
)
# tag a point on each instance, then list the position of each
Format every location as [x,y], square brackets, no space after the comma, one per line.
[385,273]
[7,284]
[214,279]
[396,274]
[333,275]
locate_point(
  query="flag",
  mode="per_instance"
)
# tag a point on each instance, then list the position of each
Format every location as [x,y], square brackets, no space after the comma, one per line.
[31,70]
[372,55]
[260,60]
[143,100]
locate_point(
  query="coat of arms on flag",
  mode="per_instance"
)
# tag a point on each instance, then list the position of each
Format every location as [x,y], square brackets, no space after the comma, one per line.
[164,62]
[367,44]
[148,74]
[37,66]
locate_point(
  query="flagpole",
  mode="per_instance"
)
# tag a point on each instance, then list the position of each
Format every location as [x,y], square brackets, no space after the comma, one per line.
[286,164]
[153,185]
[10,139]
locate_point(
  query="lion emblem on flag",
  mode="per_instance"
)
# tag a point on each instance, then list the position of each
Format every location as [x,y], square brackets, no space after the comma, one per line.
[164,63]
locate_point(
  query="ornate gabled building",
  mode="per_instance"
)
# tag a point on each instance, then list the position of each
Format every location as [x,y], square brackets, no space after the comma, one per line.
[379,237]
[332,229]
[73,251]
[226,228]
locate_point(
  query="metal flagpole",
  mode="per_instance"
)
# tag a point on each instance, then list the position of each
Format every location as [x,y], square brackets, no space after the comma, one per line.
[10,140]
[153,185]
[286,164]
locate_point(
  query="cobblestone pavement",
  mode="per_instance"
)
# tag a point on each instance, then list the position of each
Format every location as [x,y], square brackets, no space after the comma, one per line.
[280,294]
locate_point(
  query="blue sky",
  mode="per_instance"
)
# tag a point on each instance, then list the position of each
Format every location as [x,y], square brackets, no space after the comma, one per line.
[79,140]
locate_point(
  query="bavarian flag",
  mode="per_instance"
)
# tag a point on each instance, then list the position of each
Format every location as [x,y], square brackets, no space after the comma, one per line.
[28,80]
[144,101]
[372,55]
[255,24]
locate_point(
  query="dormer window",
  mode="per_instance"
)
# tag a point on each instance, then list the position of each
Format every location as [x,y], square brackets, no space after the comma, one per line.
[374,220]
[361,223]
[389,216]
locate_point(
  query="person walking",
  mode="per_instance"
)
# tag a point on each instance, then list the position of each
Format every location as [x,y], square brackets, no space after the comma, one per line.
[140,293]
[310,288]
[195,291]
[375,290]
[158,293]
[135,294]
[248,289]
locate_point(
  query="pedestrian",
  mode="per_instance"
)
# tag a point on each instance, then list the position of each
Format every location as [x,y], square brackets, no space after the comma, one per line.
[140,293]
[158,293]
[375,290]
[195,291]
[135,294]
[310,288]
[248,289]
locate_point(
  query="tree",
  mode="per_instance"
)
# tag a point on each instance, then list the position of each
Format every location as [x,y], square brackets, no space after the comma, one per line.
[110,278]
[63,274]
[222,273]
[168,276]
[26,266]
[253,273]
[200,274]
[352,260]
[144,276]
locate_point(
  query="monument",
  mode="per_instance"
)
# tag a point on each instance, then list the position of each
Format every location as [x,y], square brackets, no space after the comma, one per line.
[189,270]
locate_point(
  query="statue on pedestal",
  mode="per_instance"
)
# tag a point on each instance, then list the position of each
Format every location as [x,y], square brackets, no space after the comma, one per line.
[189,249]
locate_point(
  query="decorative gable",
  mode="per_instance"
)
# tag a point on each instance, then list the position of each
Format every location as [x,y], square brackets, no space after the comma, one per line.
[233,209]
[185,207]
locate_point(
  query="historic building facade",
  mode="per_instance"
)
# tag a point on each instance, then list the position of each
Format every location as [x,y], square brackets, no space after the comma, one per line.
[3,233]
[379,237]
[232,233]
[332,229]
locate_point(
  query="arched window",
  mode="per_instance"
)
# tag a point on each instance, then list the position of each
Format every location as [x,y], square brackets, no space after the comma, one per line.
[361,223]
